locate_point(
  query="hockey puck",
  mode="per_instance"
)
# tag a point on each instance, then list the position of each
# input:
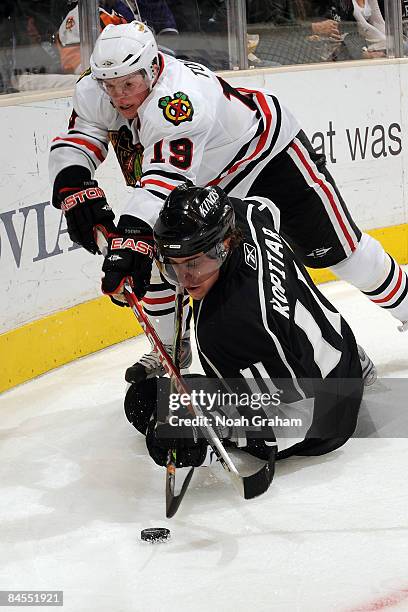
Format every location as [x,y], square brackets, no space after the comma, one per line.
[155,534]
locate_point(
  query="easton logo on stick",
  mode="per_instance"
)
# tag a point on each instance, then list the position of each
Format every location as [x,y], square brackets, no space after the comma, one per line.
[177,109]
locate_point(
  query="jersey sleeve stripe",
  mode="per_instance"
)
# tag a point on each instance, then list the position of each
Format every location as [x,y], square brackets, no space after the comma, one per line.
[158,183]
[163,300]
[164,174]
[400,298]
[157,194]
[104,144]
[159,312]
[262,140]
[384,286]
[100,155]
[390,295]
[244,175]
[71,146]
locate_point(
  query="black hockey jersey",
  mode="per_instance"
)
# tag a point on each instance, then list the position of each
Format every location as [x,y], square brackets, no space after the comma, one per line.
[266,321]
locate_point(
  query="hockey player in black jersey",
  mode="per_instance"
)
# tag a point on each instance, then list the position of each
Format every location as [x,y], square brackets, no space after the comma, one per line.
[258,316]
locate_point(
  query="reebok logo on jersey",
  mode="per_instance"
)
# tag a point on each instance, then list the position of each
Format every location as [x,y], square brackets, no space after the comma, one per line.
[129,243]
[177,109]
[250,256]
[79,198]
[277,275]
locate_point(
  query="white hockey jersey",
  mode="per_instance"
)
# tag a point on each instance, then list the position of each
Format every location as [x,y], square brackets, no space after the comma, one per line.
[193,125]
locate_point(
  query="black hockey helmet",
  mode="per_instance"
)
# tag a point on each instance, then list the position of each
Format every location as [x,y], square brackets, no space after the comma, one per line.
[193,220]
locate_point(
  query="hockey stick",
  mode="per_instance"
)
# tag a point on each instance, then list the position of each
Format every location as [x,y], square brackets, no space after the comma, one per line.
[247,486]
[172,500]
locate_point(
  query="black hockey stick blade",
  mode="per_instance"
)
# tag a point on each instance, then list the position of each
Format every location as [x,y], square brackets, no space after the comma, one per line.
[258,483]
[173,501]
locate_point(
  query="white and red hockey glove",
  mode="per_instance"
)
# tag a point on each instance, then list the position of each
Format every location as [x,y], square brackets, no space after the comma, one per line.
[129,255]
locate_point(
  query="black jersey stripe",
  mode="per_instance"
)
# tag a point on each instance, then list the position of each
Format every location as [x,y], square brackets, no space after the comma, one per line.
[160,286]
[243,150]
[158,194]
[400,299]
[385,284]
[70,146]
[242,174]
[262,298]
[263,387]
[162,173]
[165,311]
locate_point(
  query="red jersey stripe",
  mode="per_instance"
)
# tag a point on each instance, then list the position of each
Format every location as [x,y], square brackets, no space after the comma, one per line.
[328,193]
[98,152]
[163,300]
[393,292]
[158,183]
[262,140]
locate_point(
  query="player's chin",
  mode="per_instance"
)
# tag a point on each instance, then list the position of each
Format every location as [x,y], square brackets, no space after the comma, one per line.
[128,113]
[197,292]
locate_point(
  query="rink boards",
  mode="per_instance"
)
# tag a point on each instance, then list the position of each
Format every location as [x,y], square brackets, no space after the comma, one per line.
[50,310]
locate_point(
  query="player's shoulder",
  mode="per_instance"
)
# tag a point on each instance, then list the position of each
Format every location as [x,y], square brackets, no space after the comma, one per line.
[178,101]
[91,102]
[256,210]
[263,211]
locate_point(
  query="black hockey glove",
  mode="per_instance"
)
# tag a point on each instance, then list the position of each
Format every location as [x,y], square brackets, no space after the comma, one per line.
[84,206]
[141,411]
[160,439]
[129,255]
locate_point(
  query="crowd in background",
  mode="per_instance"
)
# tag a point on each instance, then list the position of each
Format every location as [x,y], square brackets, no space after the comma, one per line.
[41,37]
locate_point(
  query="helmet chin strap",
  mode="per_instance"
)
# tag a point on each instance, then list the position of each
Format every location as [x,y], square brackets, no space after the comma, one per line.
[154,80]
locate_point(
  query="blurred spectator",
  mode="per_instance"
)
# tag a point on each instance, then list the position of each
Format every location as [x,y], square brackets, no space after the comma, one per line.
[28,42]
[371,26]
[155,13]
[158,15]
[6,46]
[68,38]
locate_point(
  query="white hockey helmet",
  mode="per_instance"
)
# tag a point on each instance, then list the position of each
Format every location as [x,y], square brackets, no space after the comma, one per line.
[124,49]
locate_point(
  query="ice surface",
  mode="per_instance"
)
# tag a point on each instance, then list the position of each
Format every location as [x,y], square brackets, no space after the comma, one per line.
[77,488]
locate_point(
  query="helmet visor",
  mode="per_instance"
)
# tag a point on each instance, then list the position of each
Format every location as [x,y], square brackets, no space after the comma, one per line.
[128,85]
[191,272]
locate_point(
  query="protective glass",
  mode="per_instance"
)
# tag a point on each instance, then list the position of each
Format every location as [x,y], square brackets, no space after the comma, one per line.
[128,85]
[194,271]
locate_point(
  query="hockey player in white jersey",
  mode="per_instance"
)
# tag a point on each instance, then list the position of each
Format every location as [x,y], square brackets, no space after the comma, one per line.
[169,121]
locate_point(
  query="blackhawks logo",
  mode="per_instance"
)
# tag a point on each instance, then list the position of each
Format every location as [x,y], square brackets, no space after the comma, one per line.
[130,156]
[177,109]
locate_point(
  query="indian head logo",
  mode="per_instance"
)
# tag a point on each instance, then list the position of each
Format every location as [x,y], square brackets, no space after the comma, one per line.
[70,23]
[177,109]
[130,156]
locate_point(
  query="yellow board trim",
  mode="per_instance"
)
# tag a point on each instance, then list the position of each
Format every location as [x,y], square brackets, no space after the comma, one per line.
[40,346]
